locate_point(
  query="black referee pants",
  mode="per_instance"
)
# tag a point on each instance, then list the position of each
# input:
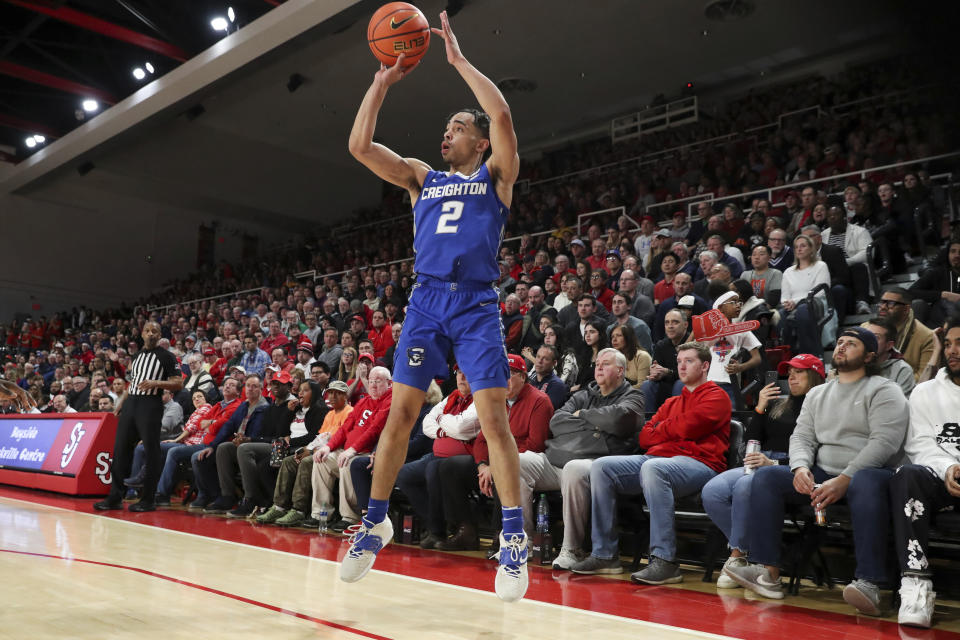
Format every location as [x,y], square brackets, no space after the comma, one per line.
[140,420]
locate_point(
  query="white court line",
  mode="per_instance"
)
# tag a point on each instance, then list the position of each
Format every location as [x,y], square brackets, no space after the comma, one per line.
[551,605]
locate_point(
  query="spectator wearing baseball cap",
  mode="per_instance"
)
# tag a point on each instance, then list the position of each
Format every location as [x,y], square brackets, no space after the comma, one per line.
[847,443]
[614,267]
[357,385]
[529,412]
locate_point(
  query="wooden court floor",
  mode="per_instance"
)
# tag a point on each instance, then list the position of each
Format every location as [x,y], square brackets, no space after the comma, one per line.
[68,572]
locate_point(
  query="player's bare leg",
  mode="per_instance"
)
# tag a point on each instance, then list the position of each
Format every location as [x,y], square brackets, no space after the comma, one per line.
[375,529]
[511,582]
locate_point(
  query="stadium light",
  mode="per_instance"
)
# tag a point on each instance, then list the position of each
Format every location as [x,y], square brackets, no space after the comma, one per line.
[149,68]
[139,73]
[40,139]
[231,15]
[31,142]
[90,105]
[220,24]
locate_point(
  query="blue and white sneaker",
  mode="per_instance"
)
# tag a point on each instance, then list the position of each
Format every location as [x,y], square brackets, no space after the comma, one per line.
[365,544]
[512,580]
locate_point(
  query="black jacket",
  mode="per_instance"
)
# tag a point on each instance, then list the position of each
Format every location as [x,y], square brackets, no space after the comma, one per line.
[836,264]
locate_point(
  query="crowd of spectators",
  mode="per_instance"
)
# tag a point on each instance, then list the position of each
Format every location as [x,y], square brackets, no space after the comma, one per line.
[290,384]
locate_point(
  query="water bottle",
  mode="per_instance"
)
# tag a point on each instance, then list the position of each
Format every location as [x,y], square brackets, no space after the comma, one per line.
[324,518]
[543,542]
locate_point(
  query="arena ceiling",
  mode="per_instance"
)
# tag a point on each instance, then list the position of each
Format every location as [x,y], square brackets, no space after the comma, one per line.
[258,151]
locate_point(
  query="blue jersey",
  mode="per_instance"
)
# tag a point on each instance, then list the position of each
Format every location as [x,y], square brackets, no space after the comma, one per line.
[458,225]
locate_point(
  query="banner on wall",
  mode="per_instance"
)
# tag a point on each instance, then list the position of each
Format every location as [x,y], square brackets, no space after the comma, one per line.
[67,453]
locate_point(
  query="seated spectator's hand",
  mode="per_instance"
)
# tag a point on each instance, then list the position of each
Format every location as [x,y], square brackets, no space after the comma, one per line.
[372,456]
[293,404]
[300,454]
[733,367]
[485,479]
[527,353]
[789,305]
[803,480]
[768,393]
[346,457]
[757,459]
[657,371]
[829,492]
[321,454]
[205,453]
[949,296]
[205,423]
[953,487]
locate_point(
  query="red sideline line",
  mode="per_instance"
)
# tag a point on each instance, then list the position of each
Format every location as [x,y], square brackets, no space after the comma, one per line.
[264,605]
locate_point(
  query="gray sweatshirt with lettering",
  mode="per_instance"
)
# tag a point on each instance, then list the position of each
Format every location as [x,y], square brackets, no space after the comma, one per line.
[843,428]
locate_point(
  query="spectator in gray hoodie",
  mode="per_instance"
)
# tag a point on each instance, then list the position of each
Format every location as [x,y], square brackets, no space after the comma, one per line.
[847,442]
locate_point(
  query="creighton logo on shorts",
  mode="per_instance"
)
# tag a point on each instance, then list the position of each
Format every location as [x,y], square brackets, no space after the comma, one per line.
[415,356]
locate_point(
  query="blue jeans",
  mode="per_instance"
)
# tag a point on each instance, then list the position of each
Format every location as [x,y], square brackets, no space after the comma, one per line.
[139,454]
[660,480]
[726,499]
[867,497]
[176,454]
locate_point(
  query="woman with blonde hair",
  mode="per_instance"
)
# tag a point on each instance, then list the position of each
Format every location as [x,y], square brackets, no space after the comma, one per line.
[348,364]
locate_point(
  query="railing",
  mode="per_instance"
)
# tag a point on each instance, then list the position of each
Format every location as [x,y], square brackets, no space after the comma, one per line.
[652,119]
[768,193]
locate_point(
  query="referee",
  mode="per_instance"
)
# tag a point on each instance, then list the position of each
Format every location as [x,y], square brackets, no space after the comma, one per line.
[153,370]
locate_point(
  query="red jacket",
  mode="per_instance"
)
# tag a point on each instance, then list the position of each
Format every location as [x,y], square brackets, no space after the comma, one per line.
[445,446]
[597,262]
[362,428]
[382,340]
[604,296]
[220,415]
[529,423]
[695,424]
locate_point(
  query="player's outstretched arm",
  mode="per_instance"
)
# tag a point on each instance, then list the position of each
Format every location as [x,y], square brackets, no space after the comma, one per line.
[403,172]
[504,162]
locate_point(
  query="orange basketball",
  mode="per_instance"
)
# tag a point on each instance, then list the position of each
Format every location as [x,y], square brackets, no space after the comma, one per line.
[398,27]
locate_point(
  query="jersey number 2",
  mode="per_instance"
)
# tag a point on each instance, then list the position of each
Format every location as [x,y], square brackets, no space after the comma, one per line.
[452,210]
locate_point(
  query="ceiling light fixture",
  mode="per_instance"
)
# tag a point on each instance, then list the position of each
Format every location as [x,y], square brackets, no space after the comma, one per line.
[31,142]
[149,68]
[231,15]
[40,139]
[139,73]
[220,24]
[90,105]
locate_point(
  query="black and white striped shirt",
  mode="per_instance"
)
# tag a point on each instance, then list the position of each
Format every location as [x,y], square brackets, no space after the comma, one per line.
[154,364]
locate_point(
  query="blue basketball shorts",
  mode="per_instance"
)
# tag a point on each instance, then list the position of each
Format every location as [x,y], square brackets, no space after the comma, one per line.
[440,315]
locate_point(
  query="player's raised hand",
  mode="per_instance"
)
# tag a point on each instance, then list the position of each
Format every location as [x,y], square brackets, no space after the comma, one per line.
[392,75]
[450,40]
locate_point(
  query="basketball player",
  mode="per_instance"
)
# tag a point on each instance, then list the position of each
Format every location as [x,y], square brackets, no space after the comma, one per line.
[459,217]
[151,372]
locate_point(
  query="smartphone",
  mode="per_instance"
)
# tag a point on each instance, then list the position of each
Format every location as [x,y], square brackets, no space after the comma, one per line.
[771,378]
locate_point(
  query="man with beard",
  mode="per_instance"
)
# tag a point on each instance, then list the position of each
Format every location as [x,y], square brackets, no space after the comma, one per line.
[847,443]
[914,340]
[152,372]
[920,490]
[682,286]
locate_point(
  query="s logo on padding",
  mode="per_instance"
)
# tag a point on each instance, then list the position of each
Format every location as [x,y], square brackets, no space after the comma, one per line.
[415,356]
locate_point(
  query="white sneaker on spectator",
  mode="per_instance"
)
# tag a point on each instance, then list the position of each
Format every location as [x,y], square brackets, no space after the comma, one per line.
[567,558]
[725,581]
[512,580]
[365,544]
[916,602]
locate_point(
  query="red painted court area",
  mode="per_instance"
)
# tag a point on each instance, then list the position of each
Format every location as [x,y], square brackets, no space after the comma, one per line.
[728,615]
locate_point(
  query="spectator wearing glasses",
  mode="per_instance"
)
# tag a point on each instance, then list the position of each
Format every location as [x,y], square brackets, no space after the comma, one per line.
[915,341]
[781,255]
[600,290]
